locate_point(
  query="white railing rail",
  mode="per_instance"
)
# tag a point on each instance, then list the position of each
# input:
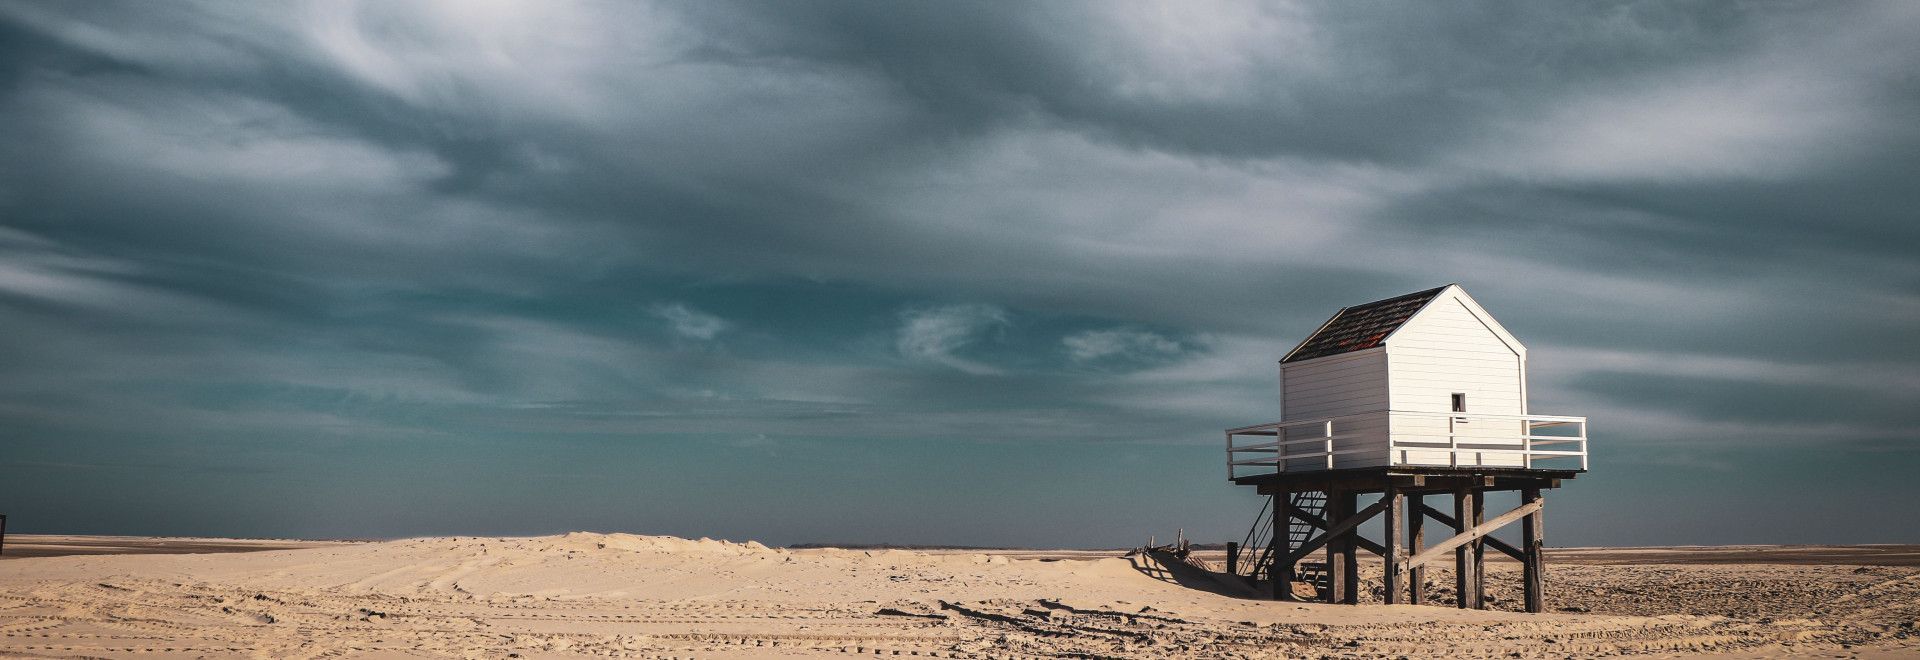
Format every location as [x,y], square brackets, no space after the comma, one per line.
[1463,442]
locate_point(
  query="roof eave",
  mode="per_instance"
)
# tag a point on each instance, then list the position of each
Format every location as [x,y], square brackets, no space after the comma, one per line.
[1311,335]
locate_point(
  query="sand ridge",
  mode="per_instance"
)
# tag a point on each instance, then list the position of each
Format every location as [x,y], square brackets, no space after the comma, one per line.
[624,595]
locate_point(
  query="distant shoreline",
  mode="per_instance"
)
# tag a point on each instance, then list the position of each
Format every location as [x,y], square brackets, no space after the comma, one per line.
[21,546]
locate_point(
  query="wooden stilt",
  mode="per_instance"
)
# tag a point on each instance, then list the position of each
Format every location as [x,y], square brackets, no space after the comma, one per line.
[1416,576]
[1479,555]
[1463,578]
[1281,570]
[1395,574]
[1337,548]
[1533,543]
[1350,554]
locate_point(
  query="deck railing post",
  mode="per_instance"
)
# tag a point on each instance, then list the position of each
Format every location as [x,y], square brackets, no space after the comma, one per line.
[1583,444]
[1327,433]
[1279,448]
[1453,443]
[1392,449]
[1526,444]
[1229,457]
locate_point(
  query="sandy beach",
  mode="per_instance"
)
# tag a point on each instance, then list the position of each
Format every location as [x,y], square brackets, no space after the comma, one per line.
[620,595]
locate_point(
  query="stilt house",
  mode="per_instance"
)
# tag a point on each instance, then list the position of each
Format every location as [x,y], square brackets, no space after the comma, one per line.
[1415,395]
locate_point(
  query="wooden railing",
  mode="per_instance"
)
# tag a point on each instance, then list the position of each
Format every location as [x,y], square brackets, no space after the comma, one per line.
[1412,438]
[1279,451]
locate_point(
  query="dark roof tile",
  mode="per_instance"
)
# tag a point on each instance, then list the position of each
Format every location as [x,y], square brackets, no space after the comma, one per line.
[1361,327]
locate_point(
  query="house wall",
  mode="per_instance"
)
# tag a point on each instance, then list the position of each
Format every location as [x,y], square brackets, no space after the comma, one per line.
[1336,386]
[1447,349]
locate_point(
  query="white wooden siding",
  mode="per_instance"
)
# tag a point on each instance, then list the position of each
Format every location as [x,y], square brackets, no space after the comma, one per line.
[1445,349]
[1335,386]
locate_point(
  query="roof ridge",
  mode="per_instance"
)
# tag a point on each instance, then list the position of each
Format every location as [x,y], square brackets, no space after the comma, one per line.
[1429,293]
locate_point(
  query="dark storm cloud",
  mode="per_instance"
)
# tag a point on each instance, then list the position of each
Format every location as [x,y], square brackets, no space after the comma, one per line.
[1055,222]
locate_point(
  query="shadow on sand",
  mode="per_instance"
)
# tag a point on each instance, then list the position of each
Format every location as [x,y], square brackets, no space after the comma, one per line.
[1166,567]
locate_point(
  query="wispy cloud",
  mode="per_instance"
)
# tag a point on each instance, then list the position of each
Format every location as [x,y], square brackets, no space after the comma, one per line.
[935,334]
[1136,344]
[689,322]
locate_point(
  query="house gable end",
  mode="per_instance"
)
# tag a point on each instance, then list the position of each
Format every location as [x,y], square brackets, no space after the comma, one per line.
[1453,293]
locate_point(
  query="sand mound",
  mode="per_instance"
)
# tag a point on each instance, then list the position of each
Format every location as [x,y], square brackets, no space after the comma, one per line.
[653,544]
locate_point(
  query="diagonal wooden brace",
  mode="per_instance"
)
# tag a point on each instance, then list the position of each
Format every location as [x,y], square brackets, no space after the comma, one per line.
[1479,531]
[1321,523]
[1342,527]
[1491,542]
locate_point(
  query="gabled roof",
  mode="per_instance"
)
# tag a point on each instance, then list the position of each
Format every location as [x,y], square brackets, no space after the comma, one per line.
[1361,327]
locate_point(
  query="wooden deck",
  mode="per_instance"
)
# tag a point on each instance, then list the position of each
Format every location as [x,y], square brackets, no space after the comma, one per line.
[1406,479]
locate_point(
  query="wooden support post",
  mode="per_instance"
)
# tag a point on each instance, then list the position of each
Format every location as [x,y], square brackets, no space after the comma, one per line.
[1280,571]
[1350,550]
[1533,542]
[1463,580]
[1416,576]
[1339,508]
[1395,573]
[1233,558]
[1479,556]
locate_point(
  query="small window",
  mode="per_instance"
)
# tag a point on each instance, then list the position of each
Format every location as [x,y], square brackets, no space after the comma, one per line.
[1459,401]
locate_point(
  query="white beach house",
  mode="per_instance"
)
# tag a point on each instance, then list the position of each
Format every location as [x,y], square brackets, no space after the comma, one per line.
[1425,379]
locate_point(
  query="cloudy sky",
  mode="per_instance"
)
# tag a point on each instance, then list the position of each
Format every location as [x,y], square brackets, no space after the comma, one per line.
[931,272]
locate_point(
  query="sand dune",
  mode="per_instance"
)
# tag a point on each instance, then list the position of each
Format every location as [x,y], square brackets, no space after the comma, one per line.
[624,595]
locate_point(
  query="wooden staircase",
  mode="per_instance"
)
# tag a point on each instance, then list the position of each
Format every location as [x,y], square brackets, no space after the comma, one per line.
[1256,553]
[1299,532]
